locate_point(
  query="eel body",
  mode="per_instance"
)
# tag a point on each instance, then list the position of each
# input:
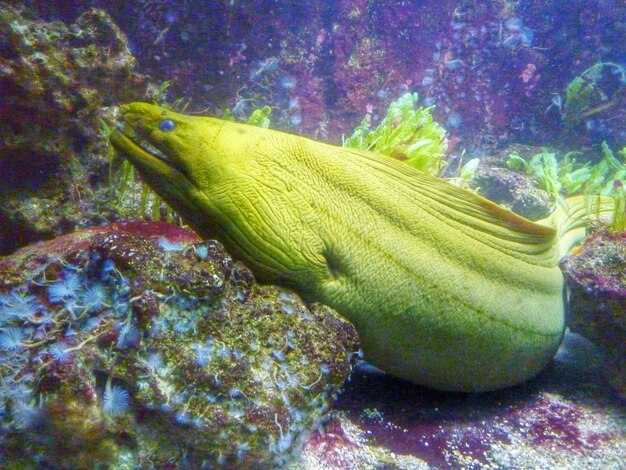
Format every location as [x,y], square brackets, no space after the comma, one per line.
[445,288]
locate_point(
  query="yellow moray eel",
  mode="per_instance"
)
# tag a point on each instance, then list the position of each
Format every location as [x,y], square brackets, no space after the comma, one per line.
[445,288]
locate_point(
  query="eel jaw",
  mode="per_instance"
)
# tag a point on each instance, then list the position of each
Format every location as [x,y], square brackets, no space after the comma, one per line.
[139,151]
[173,185]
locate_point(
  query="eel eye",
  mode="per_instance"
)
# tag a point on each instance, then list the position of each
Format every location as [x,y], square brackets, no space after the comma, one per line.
[166,125]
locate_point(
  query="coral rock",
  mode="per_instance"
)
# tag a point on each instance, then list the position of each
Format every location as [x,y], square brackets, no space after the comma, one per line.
[596,275]
[54,81]
[514,190]
[137,344]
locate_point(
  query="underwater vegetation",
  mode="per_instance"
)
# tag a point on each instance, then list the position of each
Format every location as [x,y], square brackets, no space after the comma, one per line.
[567,176]
[406,134]
[135,343]
[589,94]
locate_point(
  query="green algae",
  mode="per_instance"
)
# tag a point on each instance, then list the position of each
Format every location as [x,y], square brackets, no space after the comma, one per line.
[585,95]
[566,175]
[406,133]
[260,117]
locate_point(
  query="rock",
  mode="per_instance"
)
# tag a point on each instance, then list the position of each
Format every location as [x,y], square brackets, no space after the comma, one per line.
[596,276]
[512,189]
[54,81]
[135,344]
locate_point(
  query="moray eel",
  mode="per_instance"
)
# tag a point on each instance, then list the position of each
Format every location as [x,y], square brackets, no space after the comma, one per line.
[445,288]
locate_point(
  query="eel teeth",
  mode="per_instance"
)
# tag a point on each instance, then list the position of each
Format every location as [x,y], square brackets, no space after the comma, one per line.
[151,149]
[146,146]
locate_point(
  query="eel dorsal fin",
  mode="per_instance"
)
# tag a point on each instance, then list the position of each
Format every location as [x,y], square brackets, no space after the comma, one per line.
[481,219]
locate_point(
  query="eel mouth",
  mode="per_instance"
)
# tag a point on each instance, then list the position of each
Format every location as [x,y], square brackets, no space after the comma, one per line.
[131,142]
[158,170]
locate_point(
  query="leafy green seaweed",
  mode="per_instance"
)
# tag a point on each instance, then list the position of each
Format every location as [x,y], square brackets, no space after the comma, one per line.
[465,173]
[543,166]
[565,175]
[260,117]
[179,105]
[619,215]
[161,93]
[584,97]
[406,133]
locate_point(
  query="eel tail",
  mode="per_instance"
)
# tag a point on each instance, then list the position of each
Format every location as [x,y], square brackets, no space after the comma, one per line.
[573,215]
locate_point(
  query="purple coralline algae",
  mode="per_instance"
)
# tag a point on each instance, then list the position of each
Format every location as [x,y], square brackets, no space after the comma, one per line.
[115,351]
[596,276]
[54,81]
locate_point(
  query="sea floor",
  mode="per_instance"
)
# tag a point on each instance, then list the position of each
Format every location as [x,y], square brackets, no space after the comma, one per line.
[566,418]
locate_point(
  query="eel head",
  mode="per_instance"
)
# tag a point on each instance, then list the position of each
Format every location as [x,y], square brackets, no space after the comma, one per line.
[174,153]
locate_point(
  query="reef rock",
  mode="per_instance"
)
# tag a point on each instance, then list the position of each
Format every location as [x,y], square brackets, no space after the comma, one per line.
[135,345]
[512,189]
[54,81]
[596,276]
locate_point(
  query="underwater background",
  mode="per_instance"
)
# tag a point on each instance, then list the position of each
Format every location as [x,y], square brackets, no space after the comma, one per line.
[128,342]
